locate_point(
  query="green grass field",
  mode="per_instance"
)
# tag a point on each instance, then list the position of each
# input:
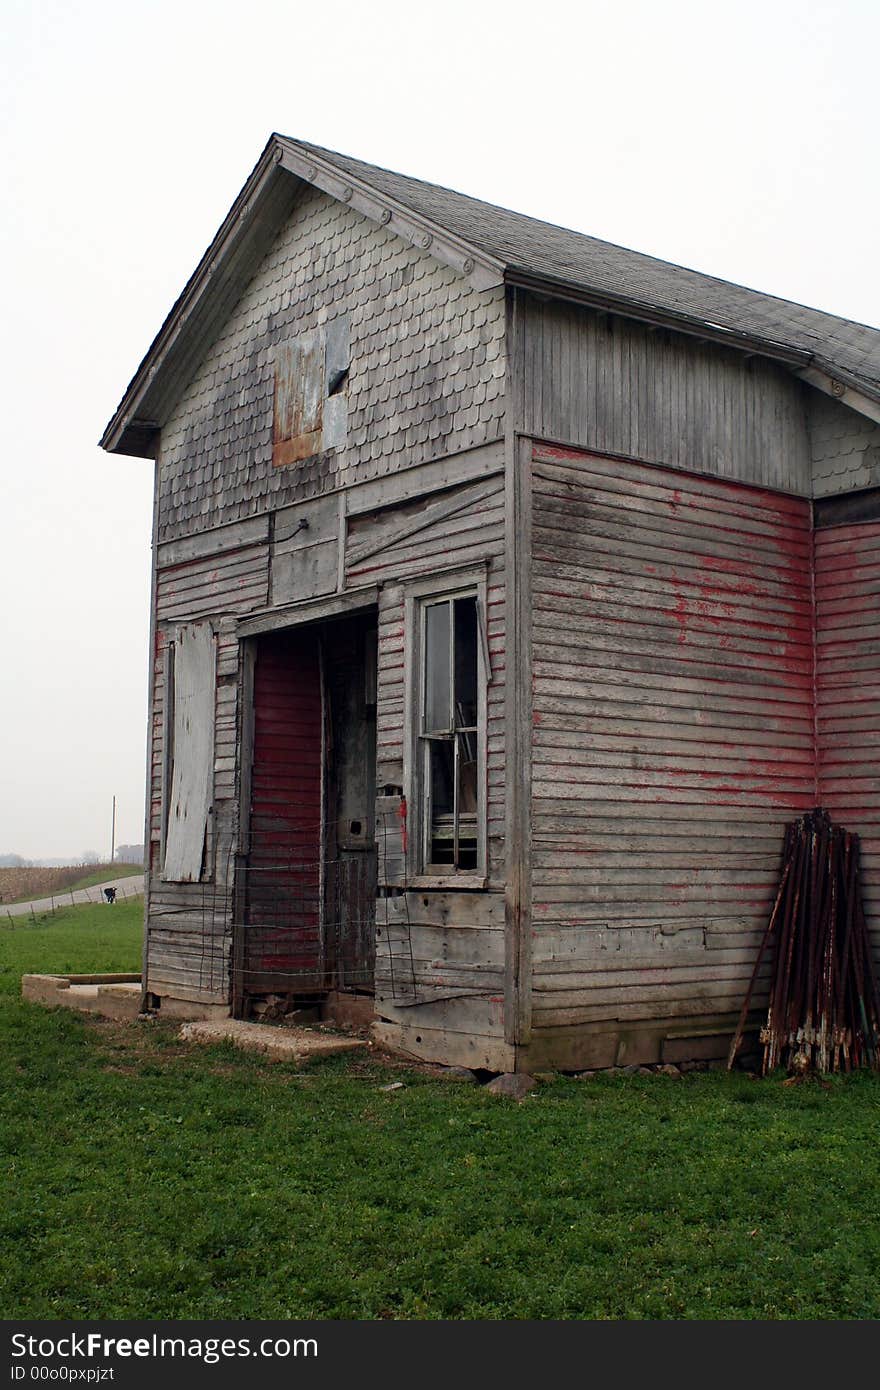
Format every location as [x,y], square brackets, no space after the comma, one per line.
[145,1179]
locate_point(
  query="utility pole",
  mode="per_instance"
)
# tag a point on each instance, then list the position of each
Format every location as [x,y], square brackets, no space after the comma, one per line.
[113,833]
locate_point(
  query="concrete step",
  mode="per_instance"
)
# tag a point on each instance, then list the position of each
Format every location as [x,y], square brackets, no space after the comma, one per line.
[279,1043]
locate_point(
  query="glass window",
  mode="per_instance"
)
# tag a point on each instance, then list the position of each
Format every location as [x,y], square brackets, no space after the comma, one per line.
[450,737]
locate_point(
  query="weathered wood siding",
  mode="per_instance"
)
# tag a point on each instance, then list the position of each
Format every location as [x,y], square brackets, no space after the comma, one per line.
[619,388]
[848,689]
[218,577]
[192,783]
[845,447]
[672,734]
[439,954]
[426,378]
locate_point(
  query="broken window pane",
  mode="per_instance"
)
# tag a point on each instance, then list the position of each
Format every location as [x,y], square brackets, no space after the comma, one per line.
[441,800]
[466,857]
[466,663]
[437,692]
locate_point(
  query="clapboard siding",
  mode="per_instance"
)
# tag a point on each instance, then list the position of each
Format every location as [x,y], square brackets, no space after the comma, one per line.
[848,689]
[620,388]
[672,733]
[189,939]
[464,526]
[233,582]
[439,956]
[189,926]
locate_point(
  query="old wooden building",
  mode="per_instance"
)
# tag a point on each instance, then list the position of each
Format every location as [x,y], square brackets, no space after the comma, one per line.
[511,591]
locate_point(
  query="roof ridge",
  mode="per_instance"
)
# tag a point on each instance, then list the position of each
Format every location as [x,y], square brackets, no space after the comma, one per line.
[332,156]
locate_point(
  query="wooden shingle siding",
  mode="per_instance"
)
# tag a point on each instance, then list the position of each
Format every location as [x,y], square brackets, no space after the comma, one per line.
[672,733]
[426,379]
[845,447]
[619,388]
[848,689]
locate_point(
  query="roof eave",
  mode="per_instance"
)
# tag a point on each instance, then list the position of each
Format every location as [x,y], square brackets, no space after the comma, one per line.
[136,420]
[842,386]
[135,424]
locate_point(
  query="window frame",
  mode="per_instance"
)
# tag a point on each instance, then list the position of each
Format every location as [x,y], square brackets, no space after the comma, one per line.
[448,585]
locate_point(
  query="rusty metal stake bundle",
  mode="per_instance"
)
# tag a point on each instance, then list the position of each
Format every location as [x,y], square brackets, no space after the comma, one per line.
[823,1013]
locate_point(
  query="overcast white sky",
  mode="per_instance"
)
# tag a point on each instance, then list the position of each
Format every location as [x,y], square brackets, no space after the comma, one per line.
[740,139]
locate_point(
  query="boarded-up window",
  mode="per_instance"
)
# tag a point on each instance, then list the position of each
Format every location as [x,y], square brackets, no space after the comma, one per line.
[311,405]
[192,753]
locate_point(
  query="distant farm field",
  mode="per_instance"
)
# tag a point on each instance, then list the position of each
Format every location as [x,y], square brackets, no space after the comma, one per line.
[20,884]
[148,1179]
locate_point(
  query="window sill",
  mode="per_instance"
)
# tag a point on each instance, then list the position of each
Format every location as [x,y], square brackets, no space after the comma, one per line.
[465,882]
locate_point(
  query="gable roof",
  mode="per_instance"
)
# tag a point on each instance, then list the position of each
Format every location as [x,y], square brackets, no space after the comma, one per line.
[491,245]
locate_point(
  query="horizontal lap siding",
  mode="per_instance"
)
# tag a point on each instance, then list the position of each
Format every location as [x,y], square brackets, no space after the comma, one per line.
[672,732]
[189,940]
[190,925]
[234,582]
[439,956]
[473,536]
[848,689]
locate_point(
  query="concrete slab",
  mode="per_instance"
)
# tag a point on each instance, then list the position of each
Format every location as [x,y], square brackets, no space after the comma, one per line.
[111,996]
[172,1007]
[278,1043]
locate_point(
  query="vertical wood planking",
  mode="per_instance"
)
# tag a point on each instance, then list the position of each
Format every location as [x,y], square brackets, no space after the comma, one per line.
[618,387]
[192,785]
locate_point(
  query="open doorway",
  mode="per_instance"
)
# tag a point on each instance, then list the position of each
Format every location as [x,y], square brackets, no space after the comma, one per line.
[307,883]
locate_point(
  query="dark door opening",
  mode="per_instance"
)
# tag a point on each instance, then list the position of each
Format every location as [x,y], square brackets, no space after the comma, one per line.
[307,885]
[282,947]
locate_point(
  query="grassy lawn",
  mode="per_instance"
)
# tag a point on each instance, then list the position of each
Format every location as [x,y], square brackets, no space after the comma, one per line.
[143,1179]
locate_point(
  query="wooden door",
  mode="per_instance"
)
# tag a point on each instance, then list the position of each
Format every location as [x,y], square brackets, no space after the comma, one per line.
[284,949]
[351,870]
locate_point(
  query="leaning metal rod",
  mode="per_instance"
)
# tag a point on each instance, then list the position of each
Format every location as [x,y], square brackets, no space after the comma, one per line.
[768,931]
[775,1012]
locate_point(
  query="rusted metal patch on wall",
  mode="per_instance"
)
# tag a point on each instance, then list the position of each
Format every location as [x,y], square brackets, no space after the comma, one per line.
[311,407]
